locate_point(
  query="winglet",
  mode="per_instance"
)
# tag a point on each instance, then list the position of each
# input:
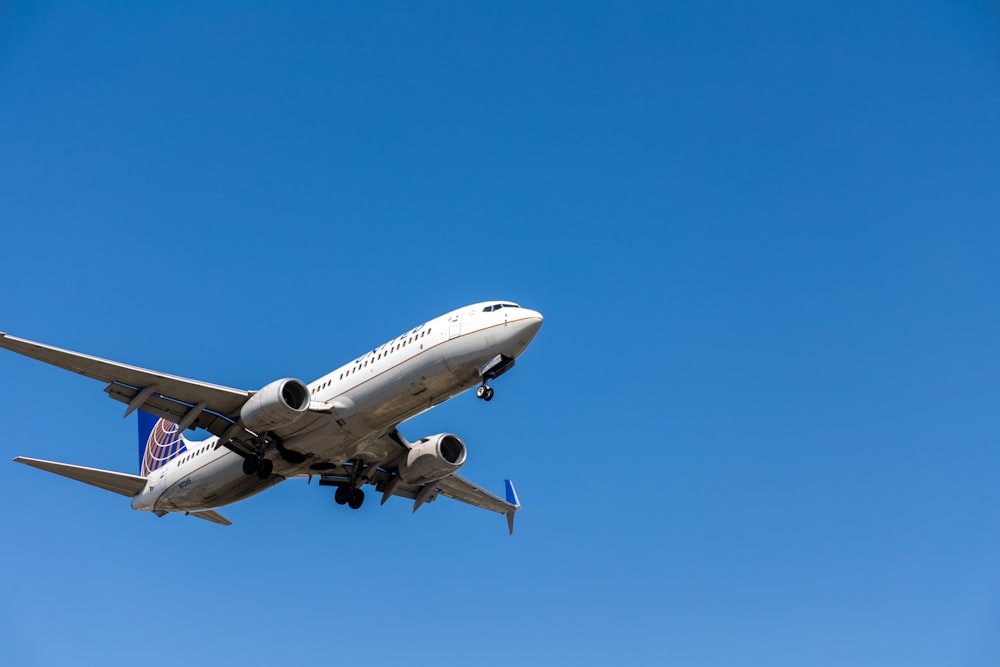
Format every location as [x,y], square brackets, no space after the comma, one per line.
[512,500]
[512,494]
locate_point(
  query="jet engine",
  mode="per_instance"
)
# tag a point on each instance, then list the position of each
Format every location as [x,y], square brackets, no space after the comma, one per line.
[279,404]
[432,458]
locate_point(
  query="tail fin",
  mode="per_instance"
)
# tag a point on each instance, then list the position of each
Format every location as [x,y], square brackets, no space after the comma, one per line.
[159,442]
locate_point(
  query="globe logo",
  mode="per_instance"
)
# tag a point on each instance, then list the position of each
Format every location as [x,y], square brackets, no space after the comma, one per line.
[164,443]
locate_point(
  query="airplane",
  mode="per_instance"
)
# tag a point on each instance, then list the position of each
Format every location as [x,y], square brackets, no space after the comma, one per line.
[341,428]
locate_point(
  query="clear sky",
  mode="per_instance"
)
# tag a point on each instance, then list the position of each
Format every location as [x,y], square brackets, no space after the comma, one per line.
[759,426]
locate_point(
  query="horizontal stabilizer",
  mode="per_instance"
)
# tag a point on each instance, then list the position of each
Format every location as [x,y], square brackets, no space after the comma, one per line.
[118,482]
[211,515]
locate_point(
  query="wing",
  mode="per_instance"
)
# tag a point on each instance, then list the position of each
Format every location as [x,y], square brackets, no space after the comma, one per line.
[465,491]
[387,482]
[389,449]
[187,402]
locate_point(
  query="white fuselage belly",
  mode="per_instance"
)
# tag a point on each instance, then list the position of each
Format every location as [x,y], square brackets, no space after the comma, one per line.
[365,399]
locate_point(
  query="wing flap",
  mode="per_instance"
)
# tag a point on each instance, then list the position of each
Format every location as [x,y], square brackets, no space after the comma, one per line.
[118,482]
[169,409]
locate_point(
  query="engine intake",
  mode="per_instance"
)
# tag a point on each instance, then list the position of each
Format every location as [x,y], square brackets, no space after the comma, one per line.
[432,458]
[279,404]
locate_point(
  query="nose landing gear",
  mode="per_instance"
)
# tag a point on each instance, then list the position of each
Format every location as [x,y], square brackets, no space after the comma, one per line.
[491,370]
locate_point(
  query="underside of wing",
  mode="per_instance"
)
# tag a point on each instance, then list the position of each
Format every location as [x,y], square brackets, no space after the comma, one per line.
[408,470]
[189,403]
[223,400]
[191,415]
[387,481]
[465,491]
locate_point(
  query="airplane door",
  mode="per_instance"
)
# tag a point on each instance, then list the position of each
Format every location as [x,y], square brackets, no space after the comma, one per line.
[455,326]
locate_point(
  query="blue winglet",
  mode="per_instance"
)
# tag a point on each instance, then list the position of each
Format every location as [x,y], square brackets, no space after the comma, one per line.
[512,494]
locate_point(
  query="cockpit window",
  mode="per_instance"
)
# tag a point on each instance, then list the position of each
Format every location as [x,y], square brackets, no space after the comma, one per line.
[498,306]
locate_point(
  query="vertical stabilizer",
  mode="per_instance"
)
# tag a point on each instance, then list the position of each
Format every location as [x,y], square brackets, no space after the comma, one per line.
[159,442]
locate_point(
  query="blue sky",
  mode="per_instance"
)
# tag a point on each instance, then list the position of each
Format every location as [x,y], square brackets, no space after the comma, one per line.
[759,426]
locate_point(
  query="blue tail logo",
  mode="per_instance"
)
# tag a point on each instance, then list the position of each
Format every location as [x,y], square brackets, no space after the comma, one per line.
[159,442]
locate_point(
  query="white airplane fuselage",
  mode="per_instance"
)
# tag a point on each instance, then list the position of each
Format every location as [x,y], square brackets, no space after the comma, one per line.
[354,406]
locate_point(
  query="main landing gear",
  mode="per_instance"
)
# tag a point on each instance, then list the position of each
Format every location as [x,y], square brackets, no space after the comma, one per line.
[254,462]
[348,495]
[485,392]
[258,465]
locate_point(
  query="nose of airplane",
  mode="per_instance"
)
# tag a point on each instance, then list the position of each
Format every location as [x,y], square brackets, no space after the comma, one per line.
[534,317]
[528,324]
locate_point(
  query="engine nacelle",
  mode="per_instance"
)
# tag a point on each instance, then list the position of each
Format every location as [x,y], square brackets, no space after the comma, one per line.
[432,458]
[279,404]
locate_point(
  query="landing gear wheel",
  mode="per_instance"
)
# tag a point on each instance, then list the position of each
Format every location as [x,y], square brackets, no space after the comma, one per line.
[481,392]
[488,394]
[264,468]
[356,499]
[342,495]
[250,465]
